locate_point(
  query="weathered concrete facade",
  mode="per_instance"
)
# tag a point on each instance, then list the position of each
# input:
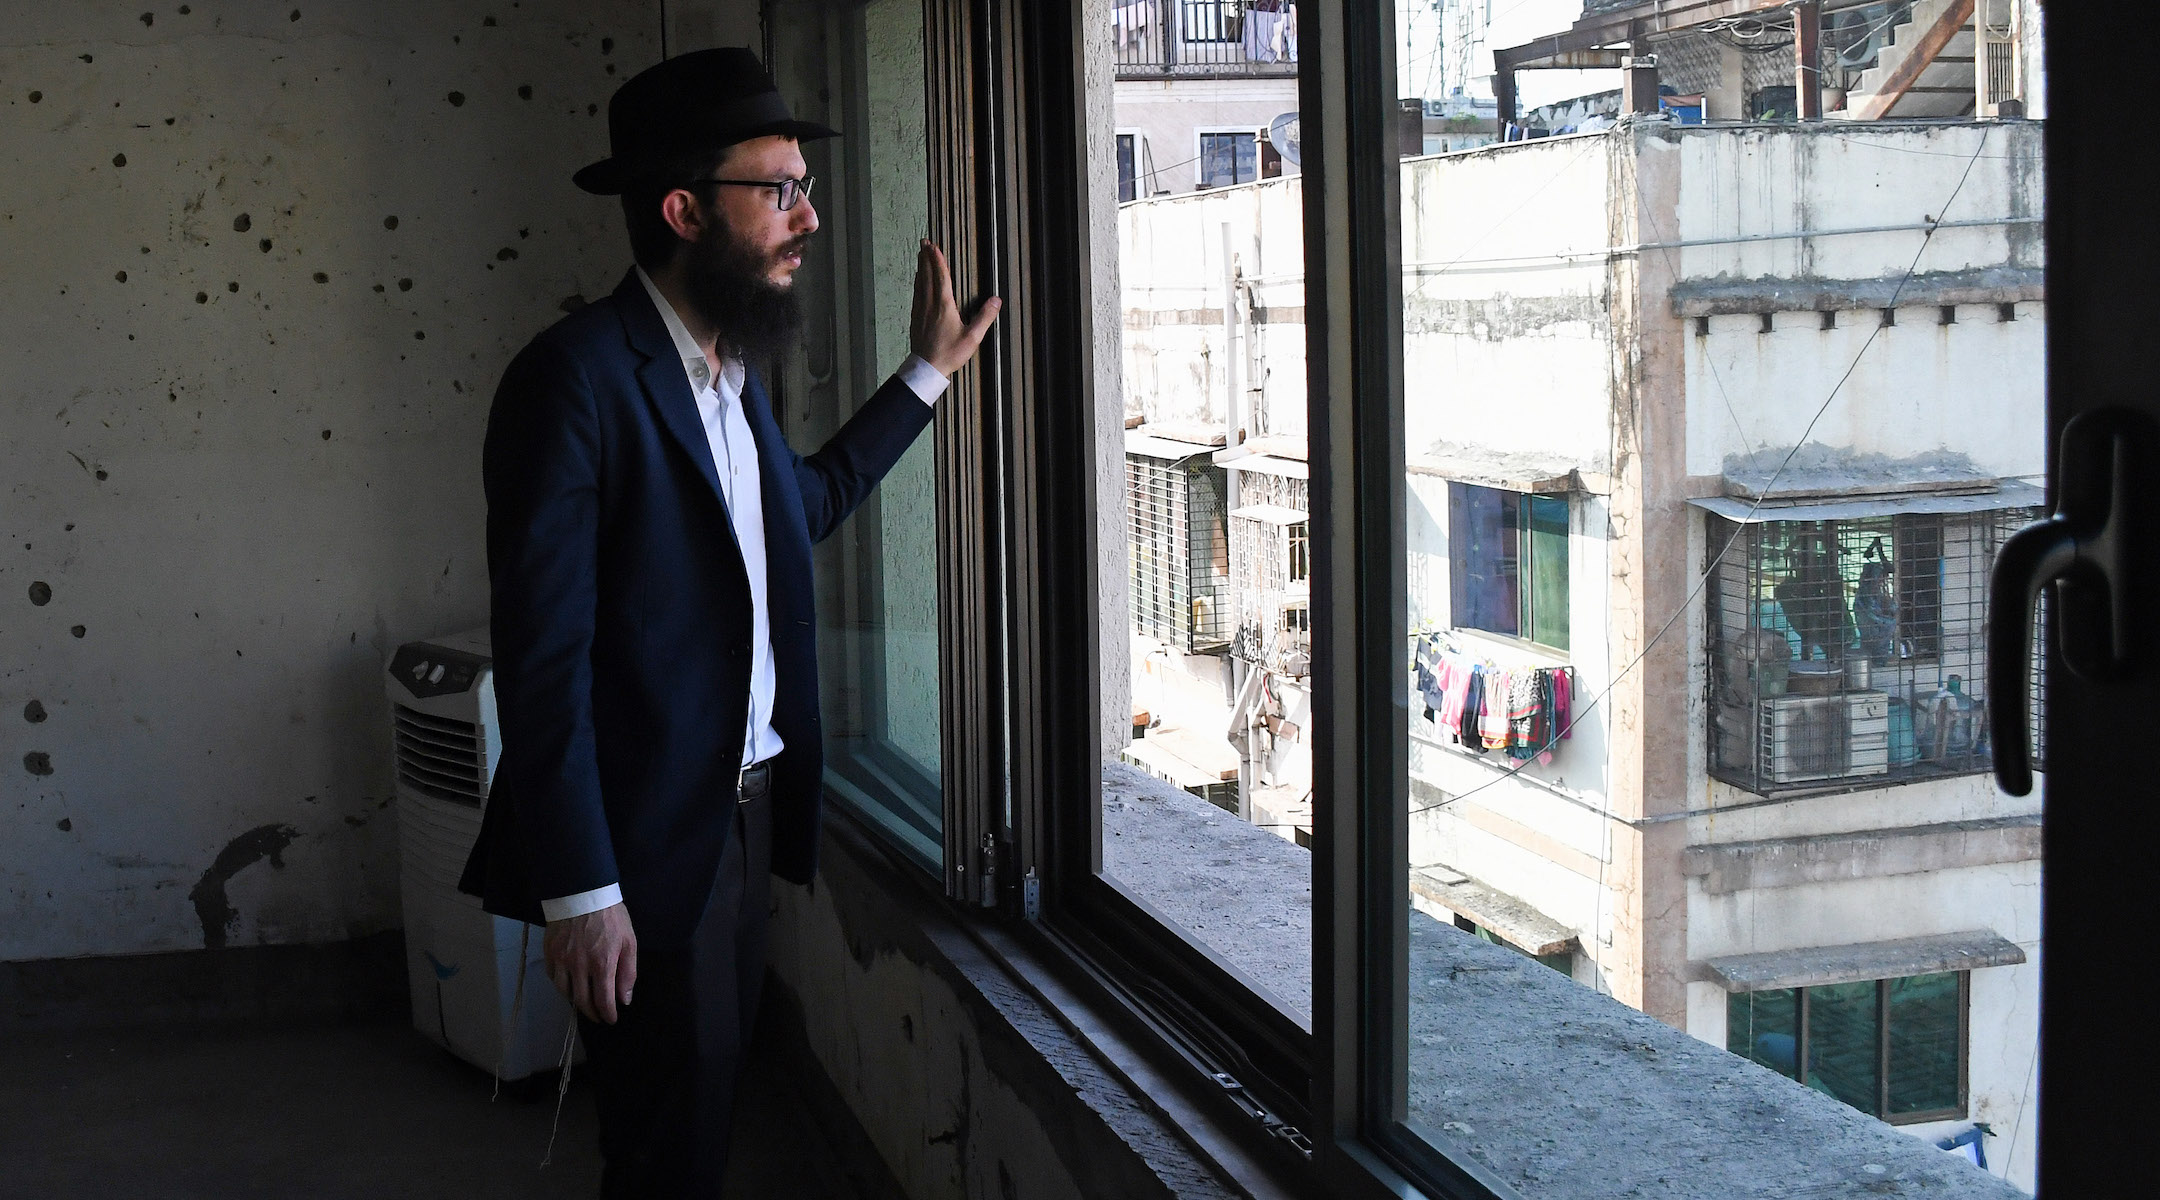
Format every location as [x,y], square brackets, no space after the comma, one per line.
[1639,314]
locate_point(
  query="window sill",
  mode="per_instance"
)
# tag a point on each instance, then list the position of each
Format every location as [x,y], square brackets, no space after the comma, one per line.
[1505,1052]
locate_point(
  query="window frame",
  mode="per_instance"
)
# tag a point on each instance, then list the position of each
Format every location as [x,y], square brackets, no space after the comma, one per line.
[1526,564]
[1017,225]
[1804,1043]
[1201,134]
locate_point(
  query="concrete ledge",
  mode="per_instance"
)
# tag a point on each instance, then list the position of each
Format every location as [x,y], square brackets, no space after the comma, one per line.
[1820,966]
[1863,854]
[358,980]
[1992,285]
[962,1080]
[1510,918]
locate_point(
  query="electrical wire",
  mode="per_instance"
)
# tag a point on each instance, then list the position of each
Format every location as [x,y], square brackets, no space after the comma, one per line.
[1575,717]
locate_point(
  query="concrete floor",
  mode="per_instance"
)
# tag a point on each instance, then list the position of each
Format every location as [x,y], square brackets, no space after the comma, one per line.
[366,1111]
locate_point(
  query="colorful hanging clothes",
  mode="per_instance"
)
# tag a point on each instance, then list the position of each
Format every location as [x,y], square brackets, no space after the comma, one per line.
[1493,712]
[1525,712]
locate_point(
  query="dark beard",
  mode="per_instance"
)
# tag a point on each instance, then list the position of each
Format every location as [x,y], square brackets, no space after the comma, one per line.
[729,287]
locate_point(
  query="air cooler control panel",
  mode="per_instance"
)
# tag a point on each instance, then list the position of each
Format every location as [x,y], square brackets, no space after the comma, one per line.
[428,670]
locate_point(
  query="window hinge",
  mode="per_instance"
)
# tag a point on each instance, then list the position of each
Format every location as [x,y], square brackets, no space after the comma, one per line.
[988,898]
[1031,896]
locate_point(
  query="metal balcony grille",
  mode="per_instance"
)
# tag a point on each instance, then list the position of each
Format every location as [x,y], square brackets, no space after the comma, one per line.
[1155,38]
[1851,652]
[1180,551]
[1270,556]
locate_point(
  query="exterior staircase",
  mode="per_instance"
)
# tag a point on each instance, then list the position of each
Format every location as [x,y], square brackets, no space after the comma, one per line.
[1944,89]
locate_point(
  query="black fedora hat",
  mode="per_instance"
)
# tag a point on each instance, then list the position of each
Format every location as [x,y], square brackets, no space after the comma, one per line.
[704,100]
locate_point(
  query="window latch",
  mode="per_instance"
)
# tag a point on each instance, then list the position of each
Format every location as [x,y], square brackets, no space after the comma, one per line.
[2089,551]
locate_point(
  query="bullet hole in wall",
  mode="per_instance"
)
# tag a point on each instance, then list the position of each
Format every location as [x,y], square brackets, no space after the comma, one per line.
[326,435]
[242,223]
[505,254]
[456,99]
[419,335]
[404,285]
[120,276]
[170,120]
[264,245]
[37,96]
[184,10]
[295,15]
[41,593]
[66,825]
[389,222]
[488,22]
[147,18]
[524,93]
[232,286]
[37,762]
[68,528]
[321,278]
[101,475]
[202,297]
[119,160]
[607,45]
[34,713]
[378,287]
[85,58]
[78,630]
[592,110]
[611,68]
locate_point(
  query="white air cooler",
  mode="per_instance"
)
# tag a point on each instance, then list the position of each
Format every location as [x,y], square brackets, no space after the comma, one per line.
[462,962]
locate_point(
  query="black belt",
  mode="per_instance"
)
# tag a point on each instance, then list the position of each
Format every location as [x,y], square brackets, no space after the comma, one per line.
[753,782]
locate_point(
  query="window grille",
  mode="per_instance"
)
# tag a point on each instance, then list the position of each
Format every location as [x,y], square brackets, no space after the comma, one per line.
[1180,551]
[1851,652]
[1203,38]
[1270,555]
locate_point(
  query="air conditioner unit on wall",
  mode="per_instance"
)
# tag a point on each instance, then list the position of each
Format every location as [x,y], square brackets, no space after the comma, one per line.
[462,963]
[1807,738]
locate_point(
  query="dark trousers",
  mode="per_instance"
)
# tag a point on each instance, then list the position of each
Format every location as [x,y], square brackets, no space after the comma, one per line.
[664,1074]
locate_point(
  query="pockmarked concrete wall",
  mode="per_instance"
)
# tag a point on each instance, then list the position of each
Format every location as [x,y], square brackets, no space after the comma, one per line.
[265,267]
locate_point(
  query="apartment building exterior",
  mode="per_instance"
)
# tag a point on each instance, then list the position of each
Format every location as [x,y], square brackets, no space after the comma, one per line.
[1723,424]
[1199,83]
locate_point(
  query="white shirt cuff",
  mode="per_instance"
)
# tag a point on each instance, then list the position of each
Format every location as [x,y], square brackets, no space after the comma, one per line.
[565,907]
[922,379]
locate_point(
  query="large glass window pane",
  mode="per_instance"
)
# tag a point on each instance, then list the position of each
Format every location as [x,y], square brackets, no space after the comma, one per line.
[878,580]
[1708,450]
[1926,1026]
[1765,1027]
[1844,1043]
[1202,476]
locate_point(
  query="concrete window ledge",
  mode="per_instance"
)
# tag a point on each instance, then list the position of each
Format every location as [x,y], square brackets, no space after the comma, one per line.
[973,1071]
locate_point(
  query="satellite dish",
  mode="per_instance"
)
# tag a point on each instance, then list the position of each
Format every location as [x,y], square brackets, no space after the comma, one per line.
[1283,135]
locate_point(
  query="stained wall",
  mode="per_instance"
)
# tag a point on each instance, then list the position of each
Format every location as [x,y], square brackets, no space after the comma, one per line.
[264,266]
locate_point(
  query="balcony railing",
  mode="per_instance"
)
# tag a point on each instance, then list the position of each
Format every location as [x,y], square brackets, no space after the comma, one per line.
[1204,38]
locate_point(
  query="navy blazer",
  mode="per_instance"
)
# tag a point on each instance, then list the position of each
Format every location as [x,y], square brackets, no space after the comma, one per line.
[622,619]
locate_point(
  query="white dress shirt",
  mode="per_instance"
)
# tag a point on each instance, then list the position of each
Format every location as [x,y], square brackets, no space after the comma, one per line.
[734,453]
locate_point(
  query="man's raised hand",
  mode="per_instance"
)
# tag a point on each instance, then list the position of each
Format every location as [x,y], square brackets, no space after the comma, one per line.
[938,334]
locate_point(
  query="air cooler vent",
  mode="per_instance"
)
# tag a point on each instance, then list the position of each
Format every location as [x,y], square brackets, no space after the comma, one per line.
[440,757]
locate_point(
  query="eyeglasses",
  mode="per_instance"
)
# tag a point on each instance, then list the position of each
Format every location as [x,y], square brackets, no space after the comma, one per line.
[786,191]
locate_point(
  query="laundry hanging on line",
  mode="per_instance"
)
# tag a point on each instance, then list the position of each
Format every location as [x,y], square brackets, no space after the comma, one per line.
[1523,712]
